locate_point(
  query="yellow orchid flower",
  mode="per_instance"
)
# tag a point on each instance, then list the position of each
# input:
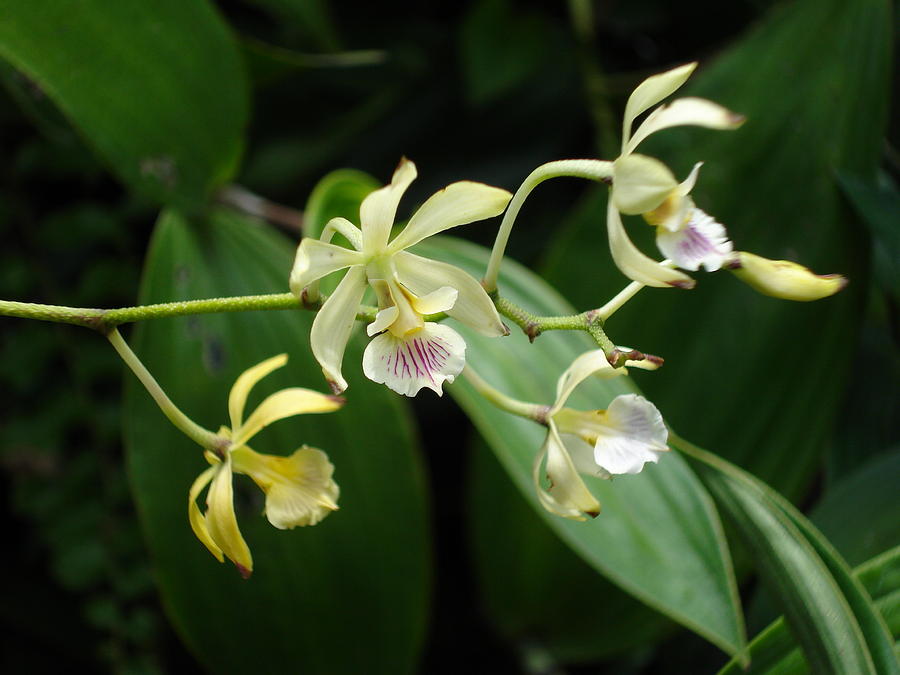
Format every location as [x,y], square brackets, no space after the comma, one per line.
[409,353]
[299,489]
[643,185]
[602,443]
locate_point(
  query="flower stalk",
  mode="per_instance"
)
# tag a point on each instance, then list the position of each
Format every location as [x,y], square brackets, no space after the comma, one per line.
[532,411]
[203,437]
[591,169]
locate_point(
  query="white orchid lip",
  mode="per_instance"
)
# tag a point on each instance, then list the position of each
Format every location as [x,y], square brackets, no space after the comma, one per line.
[700,241]
[407,286]
[425,358]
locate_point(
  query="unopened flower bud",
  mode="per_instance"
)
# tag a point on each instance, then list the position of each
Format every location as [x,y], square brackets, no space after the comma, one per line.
[784,279]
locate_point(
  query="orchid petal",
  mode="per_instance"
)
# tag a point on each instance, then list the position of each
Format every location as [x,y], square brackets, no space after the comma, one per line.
[582,454]
[332,326]
[634,264]
[282,404]
[222,522]
[439,300]
[379,209]
[473,307]
[237,398]
[685,111]
[299,489]
[650,92]
[641,184]
[197,519]
[589,363]
[784,279]
[315,259]
[635,434]
[567,496]
[383,319]
[457,204]
[702,241]
[423,358]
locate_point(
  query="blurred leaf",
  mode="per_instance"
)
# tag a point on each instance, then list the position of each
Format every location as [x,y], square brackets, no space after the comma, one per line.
[363,571]
[828,611]
[877,203]
[157,88]
[659,536]
[535,588]
[859,514]
[502,46]
[753,377]
[309,19]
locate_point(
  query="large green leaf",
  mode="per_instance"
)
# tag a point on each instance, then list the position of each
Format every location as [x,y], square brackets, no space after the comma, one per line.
[659,536]
[755,378]
[827,610]
[158,88]
[348,595]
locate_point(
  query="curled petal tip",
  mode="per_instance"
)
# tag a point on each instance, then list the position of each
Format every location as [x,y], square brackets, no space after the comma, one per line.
[593,513]
[245,572]
[686,284]
[336,388]
[340,400]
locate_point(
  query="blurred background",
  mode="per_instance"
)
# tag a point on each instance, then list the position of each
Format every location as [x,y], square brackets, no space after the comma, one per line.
[805,397]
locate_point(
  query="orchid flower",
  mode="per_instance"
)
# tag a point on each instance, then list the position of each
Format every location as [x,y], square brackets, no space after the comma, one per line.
[644,185]
[602,443]
[299,489]
[408,353]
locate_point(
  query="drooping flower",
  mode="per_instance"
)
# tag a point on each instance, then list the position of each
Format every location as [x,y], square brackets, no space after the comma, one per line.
[408,352]
[299,488]
[644,185]
[602,443]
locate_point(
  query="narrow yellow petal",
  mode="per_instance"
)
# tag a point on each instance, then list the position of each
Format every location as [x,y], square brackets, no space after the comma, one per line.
[568,496]
[634,264]
[222,522]
[590,363]
[316,259]
[685,112]
[457,204]
[237,399]
[333,324]
[197,519]
[650,92]
[379,209]
[282,404]
[783,278]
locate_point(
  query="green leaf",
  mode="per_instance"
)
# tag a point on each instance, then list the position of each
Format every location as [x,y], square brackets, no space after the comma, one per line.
[729,350]
[828,611]
[775,651]
[348,595]
[338,194]
[158,89]
[659,536]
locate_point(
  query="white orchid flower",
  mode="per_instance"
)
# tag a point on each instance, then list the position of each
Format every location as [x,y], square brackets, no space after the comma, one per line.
[409,353]
[644,185]
[602,443]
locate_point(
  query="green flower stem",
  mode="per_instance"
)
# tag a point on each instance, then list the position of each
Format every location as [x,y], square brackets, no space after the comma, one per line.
[203,437]
[620,299]
[105,320]
[531,411]
[591,169]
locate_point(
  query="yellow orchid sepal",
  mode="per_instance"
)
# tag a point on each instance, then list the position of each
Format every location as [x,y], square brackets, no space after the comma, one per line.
[784,279]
